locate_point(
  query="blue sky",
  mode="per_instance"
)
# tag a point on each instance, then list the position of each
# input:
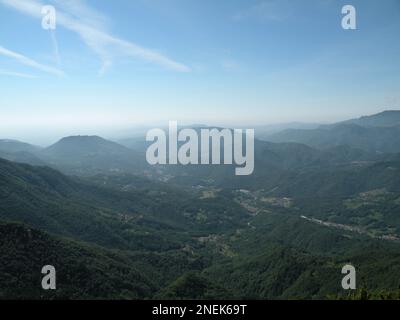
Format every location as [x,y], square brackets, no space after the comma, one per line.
[125,62]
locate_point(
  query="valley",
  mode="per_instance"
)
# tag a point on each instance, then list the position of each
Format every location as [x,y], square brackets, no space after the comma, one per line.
[119,228]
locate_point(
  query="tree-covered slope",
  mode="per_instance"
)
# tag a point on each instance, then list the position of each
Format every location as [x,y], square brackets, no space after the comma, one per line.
[148,217]
[82,271]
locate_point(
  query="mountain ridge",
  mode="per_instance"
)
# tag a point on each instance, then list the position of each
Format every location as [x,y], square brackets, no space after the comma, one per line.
[375,133]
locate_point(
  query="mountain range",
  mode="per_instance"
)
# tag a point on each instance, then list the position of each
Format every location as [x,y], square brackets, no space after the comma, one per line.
[116,228]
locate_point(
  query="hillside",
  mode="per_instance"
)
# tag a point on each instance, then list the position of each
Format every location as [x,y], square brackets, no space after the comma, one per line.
[144,217]
[22,152]
[22,157]
[272,161]
[83,271]
[46,199]
[387,118]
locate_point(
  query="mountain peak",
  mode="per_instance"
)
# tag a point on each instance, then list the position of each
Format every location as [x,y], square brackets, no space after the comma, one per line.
[84,144]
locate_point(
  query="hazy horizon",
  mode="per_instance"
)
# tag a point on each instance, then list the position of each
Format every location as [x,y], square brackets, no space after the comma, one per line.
[44,136]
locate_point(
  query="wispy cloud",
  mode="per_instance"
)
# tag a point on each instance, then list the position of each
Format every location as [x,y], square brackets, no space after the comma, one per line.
[29,62]
[80,10]
[55,46]
[267,10]
[16,74]
[77,16]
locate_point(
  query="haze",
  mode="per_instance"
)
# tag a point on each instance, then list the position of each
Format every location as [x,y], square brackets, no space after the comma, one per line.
[108,69]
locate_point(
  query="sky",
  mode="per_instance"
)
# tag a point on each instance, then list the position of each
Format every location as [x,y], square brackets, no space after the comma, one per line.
[125,63]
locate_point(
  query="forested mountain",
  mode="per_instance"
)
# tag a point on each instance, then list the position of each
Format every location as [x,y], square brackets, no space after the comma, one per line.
[46,199]
[88,155]
[377,133]
[115,227]
[92,155]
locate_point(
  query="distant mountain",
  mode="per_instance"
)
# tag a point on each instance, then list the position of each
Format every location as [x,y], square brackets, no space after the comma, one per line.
[12,146]
[88,155]
[83,145]
[272,161]
[377,133]
[289,156]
